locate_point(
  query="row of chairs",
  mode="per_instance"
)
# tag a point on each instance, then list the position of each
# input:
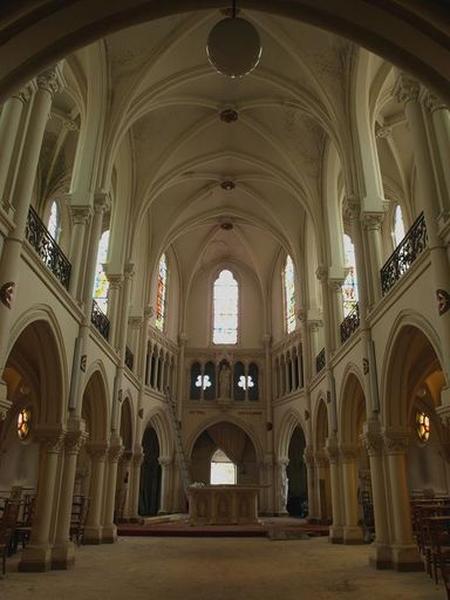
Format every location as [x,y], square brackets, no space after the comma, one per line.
[431,526]
[16,521]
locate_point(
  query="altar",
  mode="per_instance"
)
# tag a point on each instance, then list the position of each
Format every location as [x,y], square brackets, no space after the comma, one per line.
[223,504]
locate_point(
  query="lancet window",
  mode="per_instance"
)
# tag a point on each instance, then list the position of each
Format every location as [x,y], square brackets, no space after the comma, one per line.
[349,287]
[289,294]
[101,283]
[161,293]
[225,308]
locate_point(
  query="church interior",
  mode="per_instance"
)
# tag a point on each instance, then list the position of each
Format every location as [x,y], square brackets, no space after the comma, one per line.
[224,299]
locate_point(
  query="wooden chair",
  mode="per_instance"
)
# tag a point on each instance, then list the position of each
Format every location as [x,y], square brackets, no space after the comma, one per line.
[7,529]
[80,507]
[439,535]
[24,524]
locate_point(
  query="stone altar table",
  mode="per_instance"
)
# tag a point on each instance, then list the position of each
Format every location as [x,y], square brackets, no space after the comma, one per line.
[223,504]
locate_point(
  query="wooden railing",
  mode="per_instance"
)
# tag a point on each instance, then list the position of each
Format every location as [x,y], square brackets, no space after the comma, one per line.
[48,250]
[350,324]
[400,261]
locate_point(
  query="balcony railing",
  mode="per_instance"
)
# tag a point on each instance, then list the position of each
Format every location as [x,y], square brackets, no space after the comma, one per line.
[129,358]
[48,250]
[400,261]
[99,320]
[350,324]
[320,361]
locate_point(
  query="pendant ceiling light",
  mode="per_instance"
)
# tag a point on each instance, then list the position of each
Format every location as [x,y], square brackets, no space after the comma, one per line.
[234,47]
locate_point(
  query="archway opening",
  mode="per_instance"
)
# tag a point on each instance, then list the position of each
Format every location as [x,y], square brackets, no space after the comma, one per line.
[150,487]
[297,497]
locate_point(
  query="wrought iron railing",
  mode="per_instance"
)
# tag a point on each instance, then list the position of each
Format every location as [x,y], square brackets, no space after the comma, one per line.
[48,250]
[413,244]
[320,361]
[350,324]
[129,358]
[99,320]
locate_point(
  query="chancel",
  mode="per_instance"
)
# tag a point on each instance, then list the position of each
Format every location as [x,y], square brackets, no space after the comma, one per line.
[224,299]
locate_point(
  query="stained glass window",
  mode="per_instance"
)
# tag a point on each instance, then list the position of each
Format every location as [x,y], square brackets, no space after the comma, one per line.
[349,288]
[226,296]
[54,221]
[101,284]
[289,294]
[423,426]
[399,226]
[161,293]
[24,423]
[203,381]
[246,382]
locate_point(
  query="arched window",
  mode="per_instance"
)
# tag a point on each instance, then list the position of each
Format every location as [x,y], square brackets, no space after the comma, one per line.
[223,471]
[349,288]
[101,283]
[225,307]
[398,231]
[161,293]
[54,221]
[289,294]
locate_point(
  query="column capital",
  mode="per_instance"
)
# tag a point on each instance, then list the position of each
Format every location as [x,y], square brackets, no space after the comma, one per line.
[407,89]
[74,441]
[372,221]
[308,455]
[26,93]
[149,311]
[322,273]
[97,450]
[396,440]
[115,452]
[351,209]
[115,279]
[51,439]
[129,269]
[165,461]
[138,458]
[81,214]
[432,102]
[382,131]
[336,283]
[51,80]
[102,201]
[348,452]
[135,322]
[282,462]
[332,451]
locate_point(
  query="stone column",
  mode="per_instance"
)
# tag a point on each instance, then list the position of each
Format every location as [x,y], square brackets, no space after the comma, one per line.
[10,119]
[336,529]
[166,487]
[372,222]
[405,556]
[373,441]
[63,552]
[81,216]
[109,529]
[48,84]
[93,530]
[115,284]
[338,307]
[37,555]
[308,457]
[135,480]
[440,121]
[322,474]
[409,91]
[281,493]
[349,465]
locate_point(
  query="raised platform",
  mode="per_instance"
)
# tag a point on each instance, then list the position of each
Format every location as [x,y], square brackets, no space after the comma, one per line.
[277,528]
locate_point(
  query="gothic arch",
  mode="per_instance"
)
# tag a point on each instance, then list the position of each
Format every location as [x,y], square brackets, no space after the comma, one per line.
[352,408]
[158,420]
[95,407]
[289,422]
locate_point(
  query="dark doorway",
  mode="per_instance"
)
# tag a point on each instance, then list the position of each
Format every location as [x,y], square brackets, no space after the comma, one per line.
[150,488]
[297,503]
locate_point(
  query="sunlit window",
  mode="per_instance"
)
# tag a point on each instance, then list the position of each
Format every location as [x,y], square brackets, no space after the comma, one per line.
[161,293]
[246,382]
[226,296]
[399,226]
[54,221]
[101,284]
[349,287]
[24,423]
[223,470]
[289,294]
[203,382]
[422,426]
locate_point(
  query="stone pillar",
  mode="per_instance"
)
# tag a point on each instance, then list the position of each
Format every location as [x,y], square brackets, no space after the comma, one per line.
[115,283]
[440,122]
[373,441]
[349,465]
[123,486]
[405,556]
[372,222]
[37,555]
[166,463]
[48,84]
[322,493]
[336,529]
[63,552]
[109,529]
[337,307]
[135,480]
[281,493]
[81,216]
[308,457]
[93,530]
[409,91]
[10,119]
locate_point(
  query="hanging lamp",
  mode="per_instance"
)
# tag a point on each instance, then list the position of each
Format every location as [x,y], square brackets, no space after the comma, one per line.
[234,46]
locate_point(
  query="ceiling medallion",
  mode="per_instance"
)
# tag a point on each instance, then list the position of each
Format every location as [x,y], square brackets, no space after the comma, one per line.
[229,115]
[227,226]
[228,185]
[234,46]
